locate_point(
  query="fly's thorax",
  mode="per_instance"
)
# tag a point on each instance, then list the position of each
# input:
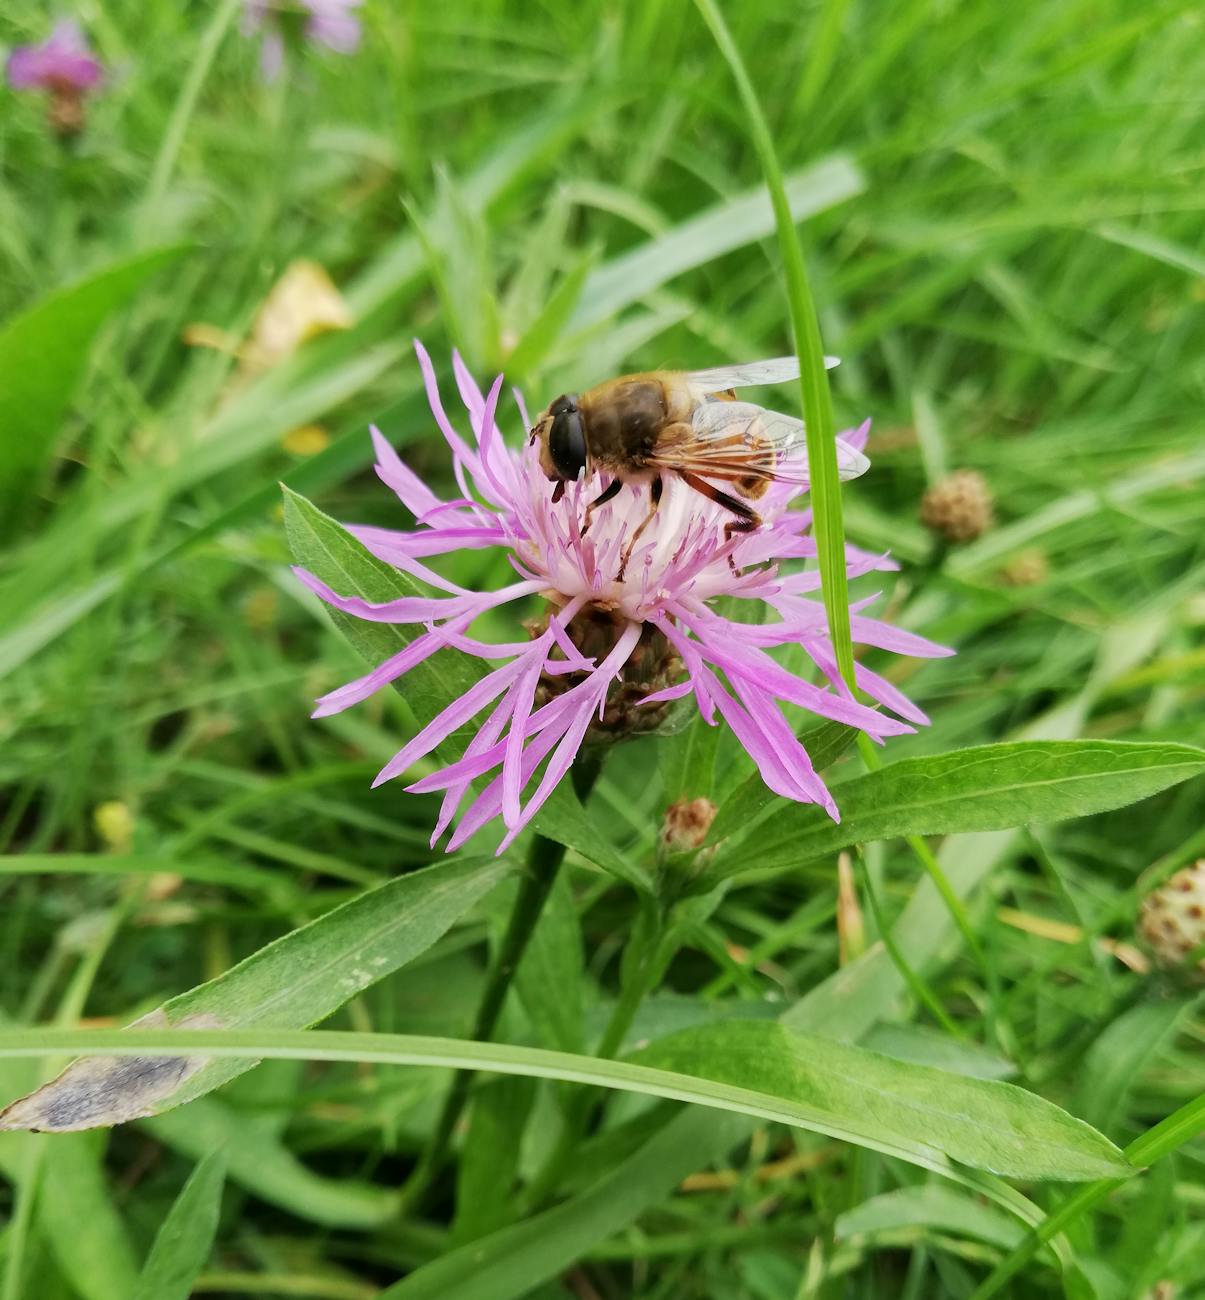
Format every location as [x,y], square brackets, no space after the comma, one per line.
[625,417]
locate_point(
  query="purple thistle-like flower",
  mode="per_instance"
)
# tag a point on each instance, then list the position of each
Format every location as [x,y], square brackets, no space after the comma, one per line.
[61,64]
[324,22]
[611,652]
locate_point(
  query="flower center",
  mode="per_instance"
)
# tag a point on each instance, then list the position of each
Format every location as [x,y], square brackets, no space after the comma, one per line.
[652,666]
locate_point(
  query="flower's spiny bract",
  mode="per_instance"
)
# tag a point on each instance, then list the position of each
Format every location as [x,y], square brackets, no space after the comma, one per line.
[663,637]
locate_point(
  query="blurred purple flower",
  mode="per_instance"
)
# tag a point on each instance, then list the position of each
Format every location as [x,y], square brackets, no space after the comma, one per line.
[326,22]
[609,654]
[61,64]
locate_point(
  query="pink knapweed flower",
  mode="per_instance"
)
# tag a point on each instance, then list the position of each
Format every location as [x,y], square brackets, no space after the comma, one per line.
[609,653]
[324,22]
[61,62]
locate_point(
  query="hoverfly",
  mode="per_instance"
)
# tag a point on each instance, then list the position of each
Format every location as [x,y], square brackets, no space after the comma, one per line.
[688,423]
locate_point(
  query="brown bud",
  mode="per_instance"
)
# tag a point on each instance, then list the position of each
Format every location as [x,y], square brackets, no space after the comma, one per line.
[687,823]
[958,507]
[1172,918]
[1026,569]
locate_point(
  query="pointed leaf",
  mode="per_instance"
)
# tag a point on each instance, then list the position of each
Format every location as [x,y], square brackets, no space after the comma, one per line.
[986,788]
[296,981]
[185,1237]
[43,353]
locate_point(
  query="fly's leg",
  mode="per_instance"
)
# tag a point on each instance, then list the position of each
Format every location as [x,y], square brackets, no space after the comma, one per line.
[655,489]
[607,494]
[747,519]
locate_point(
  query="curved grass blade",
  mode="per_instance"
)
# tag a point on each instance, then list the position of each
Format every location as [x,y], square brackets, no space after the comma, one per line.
[927,1117]
[825,489]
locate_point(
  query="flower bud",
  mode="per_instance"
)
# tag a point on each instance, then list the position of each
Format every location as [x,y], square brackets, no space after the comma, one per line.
[958,507]
[114,824]
[1026,569]
[1172,918]
[686,824]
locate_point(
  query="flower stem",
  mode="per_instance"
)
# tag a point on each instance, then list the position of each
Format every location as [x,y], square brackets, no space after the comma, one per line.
[543,865]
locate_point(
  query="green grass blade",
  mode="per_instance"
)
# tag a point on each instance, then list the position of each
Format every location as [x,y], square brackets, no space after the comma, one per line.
[825,487]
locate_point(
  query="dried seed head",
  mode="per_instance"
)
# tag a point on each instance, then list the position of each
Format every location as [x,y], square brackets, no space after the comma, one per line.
[958,507]
[1172,919]
[686,824]
[1026,568]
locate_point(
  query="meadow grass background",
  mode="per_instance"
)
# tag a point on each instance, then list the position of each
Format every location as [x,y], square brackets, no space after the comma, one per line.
[1004,233]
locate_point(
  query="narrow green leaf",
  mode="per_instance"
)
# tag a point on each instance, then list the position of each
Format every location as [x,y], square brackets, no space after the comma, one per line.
[489,1158]
[332,554]
[258,1161]
[564,820]
[930,1118]
[989,787]
[551,973]
[543,332]
[508,1263]
[75,1190]
[934,1206]
[727,225]
[825,486]
[296,981]
[43,353]
[1119,1055]
[185,1237]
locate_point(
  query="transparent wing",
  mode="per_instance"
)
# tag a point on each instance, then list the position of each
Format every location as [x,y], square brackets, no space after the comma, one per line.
[738,440]
[775,370]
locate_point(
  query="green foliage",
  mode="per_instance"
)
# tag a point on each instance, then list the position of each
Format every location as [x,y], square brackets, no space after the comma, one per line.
[184,1240]
[43,354]
[999,214]
[981,789]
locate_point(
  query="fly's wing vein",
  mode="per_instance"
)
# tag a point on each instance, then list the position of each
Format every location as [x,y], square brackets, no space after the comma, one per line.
[734,440]
[774,370]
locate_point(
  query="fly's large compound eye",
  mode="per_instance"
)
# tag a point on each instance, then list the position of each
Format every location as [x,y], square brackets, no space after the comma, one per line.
[567,438]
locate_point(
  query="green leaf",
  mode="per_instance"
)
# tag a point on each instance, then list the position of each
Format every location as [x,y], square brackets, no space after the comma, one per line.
[910,1110]
[1120,1053]
[752,801]
[185,1237]
[43,352]
[332,554]
[296,981]
[508,1263]
[258,1160]
[989,787]
[564,820]
[540,336]
[825,488]
[66,1178]
[730,224]
[75,1190]
[930,1118]
[489,1157]
[935,1206]
[550,974]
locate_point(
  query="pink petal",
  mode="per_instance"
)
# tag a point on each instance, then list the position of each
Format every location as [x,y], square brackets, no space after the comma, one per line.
[455,715]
